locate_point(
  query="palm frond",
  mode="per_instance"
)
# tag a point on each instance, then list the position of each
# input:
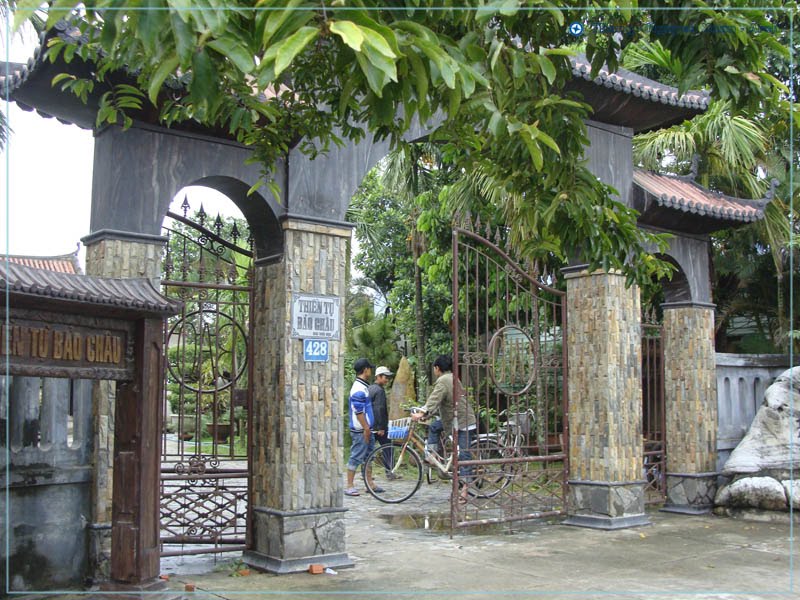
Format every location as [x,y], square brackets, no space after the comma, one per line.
[651,149]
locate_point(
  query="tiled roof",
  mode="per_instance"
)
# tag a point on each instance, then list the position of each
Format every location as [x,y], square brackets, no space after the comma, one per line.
[621,81]
[641,87]
[65,263]
[683,194]
[127,295]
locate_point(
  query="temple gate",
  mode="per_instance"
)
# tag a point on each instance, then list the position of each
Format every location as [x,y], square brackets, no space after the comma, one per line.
[64,330]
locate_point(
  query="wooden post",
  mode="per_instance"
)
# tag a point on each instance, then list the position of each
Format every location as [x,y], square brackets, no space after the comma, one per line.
[137,451]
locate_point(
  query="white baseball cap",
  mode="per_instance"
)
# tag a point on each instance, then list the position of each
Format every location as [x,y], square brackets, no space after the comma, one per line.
[383,371]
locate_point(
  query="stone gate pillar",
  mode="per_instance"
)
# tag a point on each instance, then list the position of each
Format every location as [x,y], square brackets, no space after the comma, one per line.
[690,393]
[297,487]
[606,490]
[123,255]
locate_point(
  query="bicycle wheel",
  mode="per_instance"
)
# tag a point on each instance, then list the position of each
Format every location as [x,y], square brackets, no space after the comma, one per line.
[396,473]
[491,478]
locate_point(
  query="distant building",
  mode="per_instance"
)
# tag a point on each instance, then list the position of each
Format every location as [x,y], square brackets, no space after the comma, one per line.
[64,263]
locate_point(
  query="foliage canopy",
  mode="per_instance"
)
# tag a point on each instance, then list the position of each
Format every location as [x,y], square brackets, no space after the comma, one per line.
[300,74]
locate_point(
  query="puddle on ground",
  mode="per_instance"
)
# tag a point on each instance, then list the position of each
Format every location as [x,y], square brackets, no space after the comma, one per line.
[194,564]
[440,522]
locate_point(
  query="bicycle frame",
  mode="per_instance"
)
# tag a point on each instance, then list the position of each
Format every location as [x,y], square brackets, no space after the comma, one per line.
[419,444]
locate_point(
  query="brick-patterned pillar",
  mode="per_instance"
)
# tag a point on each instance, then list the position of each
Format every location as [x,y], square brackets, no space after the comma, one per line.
[606,490]
[123,255]
[690,393]
[297,488]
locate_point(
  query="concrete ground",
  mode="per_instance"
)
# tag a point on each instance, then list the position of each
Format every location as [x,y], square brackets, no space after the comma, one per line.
[405,551]
[397,557]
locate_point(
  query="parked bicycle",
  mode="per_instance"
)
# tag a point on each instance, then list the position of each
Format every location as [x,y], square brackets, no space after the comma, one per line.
[397,471]
[511,436]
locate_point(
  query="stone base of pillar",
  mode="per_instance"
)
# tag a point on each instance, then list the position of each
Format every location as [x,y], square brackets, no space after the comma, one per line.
[290,541]
[136,591]
[606,505]
[690,493]
[99,551]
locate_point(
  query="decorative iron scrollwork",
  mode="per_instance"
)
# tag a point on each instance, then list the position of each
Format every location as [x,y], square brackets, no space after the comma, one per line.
[475,358]
[513,366]
[197,464]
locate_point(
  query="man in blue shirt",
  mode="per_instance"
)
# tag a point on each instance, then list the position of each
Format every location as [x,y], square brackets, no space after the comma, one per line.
[361,421]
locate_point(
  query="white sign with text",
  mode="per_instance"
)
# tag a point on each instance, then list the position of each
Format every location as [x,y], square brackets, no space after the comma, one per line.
[316,316]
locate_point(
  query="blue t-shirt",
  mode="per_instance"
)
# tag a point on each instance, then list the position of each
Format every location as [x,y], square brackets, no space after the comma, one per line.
[360,403]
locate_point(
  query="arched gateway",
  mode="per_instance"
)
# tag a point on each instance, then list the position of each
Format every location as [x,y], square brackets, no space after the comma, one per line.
[299,244]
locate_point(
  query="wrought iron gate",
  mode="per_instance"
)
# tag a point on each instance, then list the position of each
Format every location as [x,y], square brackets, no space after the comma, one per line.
[206,439]
[509,356]
[653,411]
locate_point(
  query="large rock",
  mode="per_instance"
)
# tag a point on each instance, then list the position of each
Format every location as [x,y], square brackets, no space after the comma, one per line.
[774,433]
[767,459]
[402,392]
[753,492]
[792,489]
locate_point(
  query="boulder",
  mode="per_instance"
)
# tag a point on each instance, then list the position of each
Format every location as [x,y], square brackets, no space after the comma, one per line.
[753,492]
[792,489]
[774,433]
[402,392]
[766,462]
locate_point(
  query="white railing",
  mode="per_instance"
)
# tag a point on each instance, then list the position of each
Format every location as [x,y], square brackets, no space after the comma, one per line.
[741,382]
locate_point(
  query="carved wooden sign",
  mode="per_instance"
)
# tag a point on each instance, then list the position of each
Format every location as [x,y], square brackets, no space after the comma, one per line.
[47,345]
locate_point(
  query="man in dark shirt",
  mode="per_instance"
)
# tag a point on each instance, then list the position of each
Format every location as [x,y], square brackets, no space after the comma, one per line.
[380,412]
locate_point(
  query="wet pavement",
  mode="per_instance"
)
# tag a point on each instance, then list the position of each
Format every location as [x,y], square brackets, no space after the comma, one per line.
[406,550]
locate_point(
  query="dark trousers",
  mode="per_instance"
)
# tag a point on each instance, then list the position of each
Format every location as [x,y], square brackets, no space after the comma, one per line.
[388,450]
[465,438]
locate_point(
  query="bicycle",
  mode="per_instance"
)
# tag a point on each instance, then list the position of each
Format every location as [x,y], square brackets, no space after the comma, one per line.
[510,437]
[398,473]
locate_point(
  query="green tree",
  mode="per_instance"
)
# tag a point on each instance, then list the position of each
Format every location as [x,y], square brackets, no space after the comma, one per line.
[374,338]
[304,74]
[739,148]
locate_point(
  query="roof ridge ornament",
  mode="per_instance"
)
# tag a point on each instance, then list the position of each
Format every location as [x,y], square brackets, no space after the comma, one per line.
[693,170]
[773,188]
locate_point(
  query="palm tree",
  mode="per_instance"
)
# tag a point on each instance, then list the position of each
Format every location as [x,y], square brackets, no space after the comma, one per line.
[408,172]
[737,152]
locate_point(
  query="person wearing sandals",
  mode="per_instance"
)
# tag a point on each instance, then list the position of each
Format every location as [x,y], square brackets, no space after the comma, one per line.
[440,402]
[361,421]
[380,411]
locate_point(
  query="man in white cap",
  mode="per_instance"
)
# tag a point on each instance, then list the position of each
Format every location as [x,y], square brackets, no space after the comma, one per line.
[380,412]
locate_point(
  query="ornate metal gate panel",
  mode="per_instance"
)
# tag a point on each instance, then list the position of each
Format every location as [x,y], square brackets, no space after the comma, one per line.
[206,439]
[510,359]
[653,411]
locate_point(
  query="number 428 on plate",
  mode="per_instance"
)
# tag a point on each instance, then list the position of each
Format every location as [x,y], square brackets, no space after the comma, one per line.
[315,350]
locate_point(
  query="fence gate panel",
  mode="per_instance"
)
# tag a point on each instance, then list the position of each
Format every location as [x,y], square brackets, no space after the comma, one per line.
[205,447]
[653,411]
[510,358]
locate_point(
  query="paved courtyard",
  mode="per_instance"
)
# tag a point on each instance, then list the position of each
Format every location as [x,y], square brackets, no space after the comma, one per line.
[406,551]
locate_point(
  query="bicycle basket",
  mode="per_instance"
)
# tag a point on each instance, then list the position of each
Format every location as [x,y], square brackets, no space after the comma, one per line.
[399,428]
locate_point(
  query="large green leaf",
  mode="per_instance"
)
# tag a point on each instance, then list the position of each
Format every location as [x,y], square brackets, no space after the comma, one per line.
[184,38]
[205,88]
[349,32]
[443,62]
[376,78]
[420,76]
[167,66]
[279,16]
[380,61]
[235,52]
[377,41]
[153,22]
[23,11]
[292,46]
[57,11]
